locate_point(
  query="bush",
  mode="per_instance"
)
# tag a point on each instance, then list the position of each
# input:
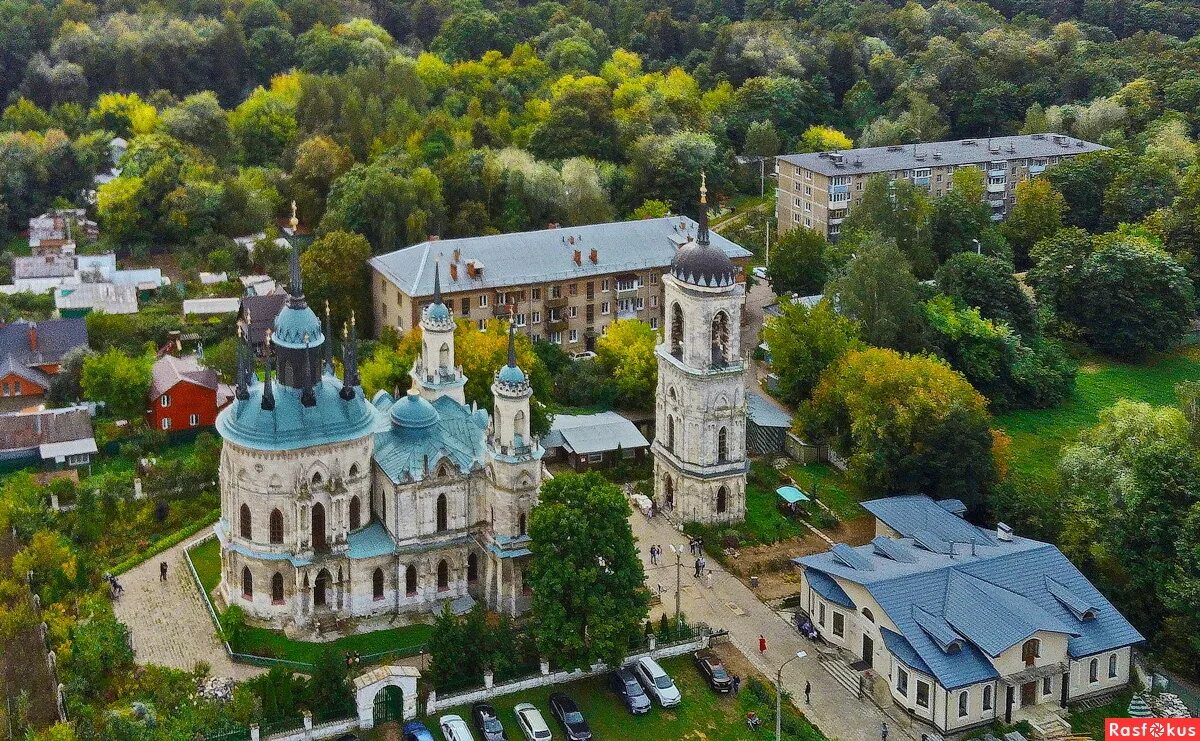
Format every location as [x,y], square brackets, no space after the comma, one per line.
[233,625]
[759,690]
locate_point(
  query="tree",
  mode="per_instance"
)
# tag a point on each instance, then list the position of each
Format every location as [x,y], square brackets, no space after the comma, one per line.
[961,221]
[988,284]
[481,354]
[798,263]
[880,293]
[336,274]
[906,423]
[626,352]
[804,342]
[1037,214]
[388,367]
[118,380]
[586,576]
[824,139]
[762,140]
[199,121]
[580,124]
[899,211]
[1126,296]
[329,687]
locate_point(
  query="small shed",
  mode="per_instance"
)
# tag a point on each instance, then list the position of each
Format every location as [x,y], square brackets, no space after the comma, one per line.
[767,426]
[588,441]
[211,306]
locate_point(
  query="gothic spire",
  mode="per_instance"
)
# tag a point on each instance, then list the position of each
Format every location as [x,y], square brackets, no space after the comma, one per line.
[437,280]
[268,396]
[242,393]
[350,360]
[308,396]
[702,229]
[296,292]
[328,342]
[512,347]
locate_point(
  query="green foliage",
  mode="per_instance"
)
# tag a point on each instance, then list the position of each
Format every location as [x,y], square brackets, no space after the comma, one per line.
[116,379]
[336,275]
[987,284]
[586,576]
[626,353]
[899,211]
[879,292]
[804,342]
[798,263]
[1037,214]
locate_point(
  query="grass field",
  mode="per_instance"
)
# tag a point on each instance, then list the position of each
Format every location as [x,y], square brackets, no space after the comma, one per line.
[1039,434]
[702,716]
[262,642]
[830,486]
[1091,722]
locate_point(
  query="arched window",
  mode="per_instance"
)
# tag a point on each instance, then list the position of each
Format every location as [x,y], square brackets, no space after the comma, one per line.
[276,526]
[1094,671]
[316,479]
[355,513]
[521,524]
[721,497]
[441,512]
[244,521]
[669,493]
[353,470]
[277,589]
[472,568]
[443,576]
[866,611]
[1112,666]
[444,355]
[410,581]
[963,700]
[722,445]
[671,433]
[720,339]
[1030,651]
[519,425]
[671,393]
[318,526]
[677,331]
[248,584]
[987,697]
[377,584]
[321,588]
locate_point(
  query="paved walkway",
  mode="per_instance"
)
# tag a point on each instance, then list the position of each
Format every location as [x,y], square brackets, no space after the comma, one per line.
[732,606]
[169,622]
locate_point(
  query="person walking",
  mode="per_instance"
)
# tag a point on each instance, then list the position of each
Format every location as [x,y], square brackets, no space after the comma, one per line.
[737,683]
[807,693]
[883,730]
[708,579]
[762,645]
[699,567]
[703,564]
[162,571]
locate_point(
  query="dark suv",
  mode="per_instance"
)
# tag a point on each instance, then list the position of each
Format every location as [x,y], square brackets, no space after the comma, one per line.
[630,691]
[567,712]
[487,722]
[714,671]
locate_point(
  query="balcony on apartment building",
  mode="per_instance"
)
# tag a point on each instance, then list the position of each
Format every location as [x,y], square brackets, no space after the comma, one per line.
[557,325]
[556,302]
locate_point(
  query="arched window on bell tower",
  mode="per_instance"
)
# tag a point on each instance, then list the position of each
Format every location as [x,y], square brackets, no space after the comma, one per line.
[444,355]
[720,339]
[677,331]
[723,445]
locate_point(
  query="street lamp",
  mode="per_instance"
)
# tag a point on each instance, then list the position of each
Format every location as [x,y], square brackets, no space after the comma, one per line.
[779,694]
[678,551]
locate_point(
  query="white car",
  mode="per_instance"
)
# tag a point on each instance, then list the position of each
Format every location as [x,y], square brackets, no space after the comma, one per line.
[760,272]
[454,728]
[583,355]
[657,682]
[533,725]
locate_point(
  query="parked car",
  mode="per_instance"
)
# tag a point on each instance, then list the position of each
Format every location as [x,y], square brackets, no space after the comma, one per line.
[713,671]
[532,724]
[583,355]
[760,272]
[565,710]
[630,691]
[487,722]
[454,728]
[657,682]
[414,730]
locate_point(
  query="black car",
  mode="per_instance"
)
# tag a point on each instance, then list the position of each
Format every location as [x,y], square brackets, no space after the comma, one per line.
[714,671]
[630,691]
[567,712]
[487,722]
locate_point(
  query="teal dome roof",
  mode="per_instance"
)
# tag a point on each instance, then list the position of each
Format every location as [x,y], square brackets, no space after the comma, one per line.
[439,312]
[293,324]
[414,412]
[511,374]
[291,425]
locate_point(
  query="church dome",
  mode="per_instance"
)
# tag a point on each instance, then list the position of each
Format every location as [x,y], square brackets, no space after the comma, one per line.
[511,374]
[703,265]
[293,324]
[414,412]
[438,312]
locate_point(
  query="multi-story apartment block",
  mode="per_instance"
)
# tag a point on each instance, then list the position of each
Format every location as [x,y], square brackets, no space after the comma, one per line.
[563,285]
[817,190]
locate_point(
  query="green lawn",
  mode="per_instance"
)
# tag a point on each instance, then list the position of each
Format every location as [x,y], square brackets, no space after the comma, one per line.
[1091,722]
[263,642]
[1039,434]
[830,486]
[702,716]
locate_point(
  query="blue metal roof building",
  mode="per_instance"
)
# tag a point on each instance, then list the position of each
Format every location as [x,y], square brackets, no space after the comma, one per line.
[968,607]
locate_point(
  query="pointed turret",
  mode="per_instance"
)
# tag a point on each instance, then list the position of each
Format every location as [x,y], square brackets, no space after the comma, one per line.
[702,228]
[308,396]
[351,380]
[512,343]
[296,289]
[328,343]
[242,392]
[268,395]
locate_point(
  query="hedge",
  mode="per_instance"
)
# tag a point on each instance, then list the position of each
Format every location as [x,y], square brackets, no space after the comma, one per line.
[166,542]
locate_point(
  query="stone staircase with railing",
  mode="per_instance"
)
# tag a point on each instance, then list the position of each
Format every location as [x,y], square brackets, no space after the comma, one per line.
[841,671]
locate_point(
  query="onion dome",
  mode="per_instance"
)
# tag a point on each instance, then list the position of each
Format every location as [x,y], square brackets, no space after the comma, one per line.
[699,263]
[297,326]
[414,412]
[511,374]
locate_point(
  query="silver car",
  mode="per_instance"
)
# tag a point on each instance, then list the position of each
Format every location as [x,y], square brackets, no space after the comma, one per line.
[454,728]
[531,723]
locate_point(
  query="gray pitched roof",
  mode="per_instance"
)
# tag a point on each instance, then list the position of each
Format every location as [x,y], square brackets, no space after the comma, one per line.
[765,414]
[526,258]
[259,312]
[169,370]
[54,338]
[25,431]
[44,266]
[940,154]
[594,433]
[991,593]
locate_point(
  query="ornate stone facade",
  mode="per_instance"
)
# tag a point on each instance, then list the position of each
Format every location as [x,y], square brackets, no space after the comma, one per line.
[700,410]
[335,507]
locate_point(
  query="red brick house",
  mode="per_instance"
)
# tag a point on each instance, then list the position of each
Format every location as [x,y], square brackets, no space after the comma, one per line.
[184,394]
[30,355]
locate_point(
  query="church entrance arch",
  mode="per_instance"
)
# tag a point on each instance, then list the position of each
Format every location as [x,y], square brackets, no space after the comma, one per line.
[321,589]
[318,527]
[388,705]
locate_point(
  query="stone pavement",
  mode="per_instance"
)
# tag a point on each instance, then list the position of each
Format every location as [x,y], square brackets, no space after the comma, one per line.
[731,605]
[168,621]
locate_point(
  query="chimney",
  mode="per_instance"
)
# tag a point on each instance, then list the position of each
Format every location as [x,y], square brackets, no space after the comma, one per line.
[470,270]
[578,257]
[454,268]
[1004,532]
[33,346]
[457,254]
[594,256]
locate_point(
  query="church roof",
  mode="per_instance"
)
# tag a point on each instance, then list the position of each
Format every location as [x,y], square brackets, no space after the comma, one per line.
[291,425]
[407,453]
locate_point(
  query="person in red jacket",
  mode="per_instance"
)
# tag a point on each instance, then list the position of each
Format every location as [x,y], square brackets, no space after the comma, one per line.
[762,645]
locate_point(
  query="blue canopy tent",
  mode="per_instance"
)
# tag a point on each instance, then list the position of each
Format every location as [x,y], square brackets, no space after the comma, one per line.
[791,496]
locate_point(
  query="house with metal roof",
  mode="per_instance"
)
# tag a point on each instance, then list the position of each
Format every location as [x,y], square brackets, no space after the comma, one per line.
[57,437]
[587,441]
[966,625]
[30,355]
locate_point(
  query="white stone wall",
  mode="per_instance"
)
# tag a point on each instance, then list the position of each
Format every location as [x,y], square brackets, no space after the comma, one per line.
[1081,684]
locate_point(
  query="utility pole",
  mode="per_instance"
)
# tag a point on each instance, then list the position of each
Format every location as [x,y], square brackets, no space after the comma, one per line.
[762,177]
[779,695]
[678,551]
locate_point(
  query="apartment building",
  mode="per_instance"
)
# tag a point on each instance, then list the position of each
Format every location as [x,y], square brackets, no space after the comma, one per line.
[818,190]
[564,285]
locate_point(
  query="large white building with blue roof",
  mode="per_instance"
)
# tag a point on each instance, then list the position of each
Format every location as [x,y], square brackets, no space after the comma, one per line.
[334,507]
[965,625]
